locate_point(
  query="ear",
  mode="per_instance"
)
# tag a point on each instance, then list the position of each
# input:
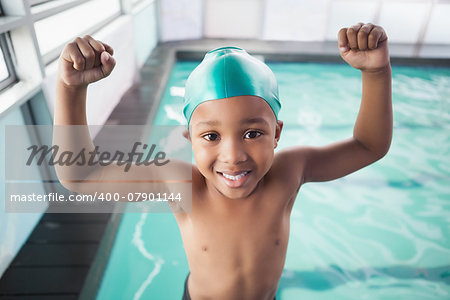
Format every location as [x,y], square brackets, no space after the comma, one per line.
[278,129]
[187,135]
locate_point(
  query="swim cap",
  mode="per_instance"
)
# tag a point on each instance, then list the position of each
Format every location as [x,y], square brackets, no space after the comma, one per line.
[228,72]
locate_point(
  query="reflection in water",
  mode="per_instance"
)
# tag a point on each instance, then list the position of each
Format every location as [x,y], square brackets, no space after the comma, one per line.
[139,243]
[333,276]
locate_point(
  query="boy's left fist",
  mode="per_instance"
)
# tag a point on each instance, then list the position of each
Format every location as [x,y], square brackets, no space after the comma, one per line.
[364,47]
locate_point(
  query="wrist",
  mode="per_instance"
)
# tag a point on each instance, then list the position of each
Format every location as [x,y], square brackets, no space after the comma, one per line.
[70,88]
[382,71]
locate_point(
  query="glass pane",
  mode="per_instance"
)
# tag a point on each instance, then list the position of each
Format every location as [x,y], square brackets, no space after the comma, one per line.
[232,19]
[40,6]
[56,30]
[403,27]
[439,23]
[349,12]
[136,2]
[295,20]
[3,68]
[37,2]
[181,19]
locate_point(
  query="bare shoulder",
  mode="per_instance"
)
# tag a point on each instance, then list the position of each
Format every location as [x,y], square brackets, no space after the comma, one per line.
[190,188]
[288,167]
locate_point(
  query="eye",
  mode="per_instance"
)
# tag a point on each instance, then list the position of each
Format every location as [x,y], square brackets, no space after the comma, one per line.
[211,137]
[252,134]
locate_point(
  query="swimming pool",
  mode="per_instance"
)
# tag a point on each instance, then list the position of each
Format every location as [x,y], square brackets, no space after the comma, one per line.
[380,233]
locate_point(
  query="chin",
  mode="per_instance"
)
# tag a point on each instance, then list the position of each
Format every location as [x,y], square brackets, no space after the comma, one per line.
[236,193]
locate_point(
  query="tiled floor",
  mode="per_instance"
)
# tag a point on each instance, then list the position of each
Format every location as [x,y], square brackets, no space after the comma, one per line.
[55,259]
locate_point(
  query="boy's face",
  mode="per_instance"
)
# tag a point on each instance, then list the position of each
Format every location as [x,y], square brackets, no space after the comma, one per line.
[233,140]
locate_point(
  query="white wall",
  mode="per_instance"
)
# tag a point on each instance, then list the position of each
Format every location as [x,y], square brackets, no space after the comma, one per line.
[295,20]
[439,24]
[145,32]
[345,12]
[233,19]
[180,19]
[406,21]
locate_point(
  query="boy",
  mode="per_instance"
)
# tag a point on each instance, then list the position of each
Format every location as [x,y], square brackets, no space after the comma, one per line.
[236,235]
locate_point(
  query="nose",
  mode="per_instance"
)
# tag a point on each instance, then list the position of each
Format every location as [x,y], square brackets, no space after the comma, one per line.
[232,151]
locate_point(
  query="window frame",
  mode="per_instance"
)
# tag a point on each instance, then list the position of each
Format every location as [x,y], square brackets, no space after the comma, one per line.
[37,2]
[53,54]
[63,5]
[7,57]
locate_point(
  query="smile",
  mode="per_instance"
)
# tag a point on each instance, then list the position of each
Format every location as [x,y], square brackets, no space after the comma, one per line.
[235,177]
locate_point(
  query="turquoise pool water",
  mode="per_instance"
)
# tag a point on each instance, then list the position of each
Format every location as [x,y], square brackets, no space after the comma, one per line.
[380,233]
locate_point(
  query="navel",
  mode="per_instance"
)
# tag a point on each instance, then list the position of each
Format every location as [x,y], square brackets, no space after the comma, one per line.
[277,242]
[204,248]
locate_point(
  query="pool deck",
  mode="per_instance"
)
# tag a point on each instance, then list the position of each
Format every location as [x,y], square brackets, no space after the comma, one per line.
[61,258]
[437,55]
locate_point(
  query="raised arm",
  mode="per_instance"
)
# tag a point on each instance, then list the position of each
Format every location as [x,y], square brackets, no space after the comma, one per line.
[82,62]
[364,47]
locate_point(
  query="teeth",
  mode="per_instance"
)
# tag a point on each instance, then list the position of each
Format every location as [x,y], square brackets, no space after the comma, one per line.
[237,177]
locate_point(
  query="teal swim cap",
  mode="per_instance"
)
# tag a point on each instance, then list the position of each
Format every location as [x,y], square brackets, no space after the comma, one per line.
[228,72]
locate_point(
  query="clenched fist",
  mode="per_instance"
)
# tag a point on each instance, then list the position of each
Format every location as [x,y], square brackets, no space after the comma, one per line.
[364,47]
[85,60]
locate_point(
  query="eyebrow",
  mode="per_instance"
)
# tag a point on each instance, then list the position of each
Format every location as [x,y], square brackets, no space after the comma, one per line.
[210,123]
[246,121]
[255,120]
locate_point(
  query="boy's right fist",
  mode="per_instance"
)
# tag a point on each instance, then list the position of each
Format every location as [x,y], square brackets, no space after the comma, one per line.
[85,60]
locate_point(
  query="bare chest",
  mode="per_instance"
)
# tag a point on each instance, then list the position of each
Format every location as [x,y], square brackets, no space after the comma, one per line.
[240,237]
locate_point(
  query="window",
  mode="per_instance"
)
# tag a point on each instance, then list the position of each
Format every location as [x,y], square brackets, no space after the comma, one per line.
[59,21]
[7,75]
[33,33]
[37,2]
[4,72]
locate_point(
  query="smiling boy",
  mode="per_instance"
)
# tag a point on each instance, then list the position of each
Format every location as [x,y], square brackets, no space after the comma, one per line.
[236,235]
